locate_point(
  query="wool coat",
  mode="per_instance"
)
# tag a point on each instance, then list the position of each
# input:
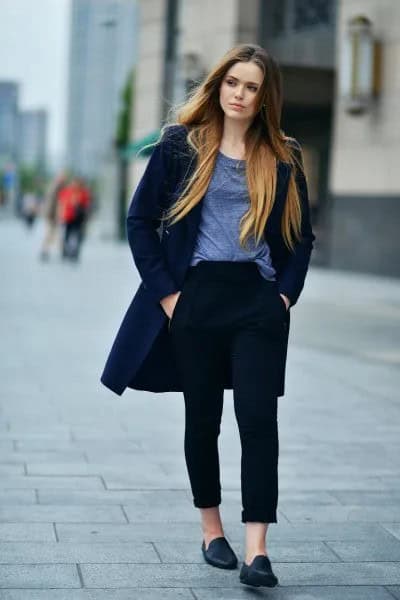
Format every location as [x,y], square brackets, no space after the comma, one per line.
[141,355]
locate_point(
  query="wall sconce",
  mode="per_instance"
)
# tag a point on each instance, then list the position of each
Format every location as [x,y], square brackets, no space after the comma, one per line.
[360,73]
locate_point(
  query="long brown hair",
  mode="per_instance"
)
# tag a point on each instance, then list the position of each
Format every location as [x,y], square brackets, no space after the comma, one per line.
[265,143]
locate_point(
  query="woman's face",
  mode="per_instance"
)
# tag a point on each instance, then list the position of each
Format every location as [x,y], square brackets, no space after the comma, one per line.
[239,89]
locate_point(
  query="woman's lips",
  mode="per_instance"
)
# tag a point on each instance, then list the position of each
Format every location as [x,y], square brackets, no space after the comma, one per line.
[237,106]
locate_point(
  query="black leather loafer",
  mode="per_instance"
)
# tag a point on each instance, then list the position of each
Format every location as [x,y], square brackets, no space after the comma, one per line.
[258,573]
[219,554]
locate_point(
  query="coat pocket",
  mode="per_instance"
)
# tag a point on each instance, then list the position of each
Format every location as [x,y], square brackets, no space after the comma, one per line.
[176,307]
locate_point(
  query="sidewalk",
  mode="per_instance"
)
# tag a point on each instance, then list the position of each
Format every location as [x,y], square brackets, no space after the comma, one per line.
[95,502]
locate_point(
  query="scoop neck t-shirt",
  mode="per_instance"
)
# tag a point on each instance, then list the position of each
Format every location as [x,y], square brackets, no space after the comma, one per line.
[224,204]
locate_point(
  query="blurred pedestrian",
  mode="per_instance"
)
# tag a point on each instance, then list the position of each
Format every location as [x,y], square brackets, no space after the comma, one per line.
[30,207]
[50,214]
[212,311]
[74,203]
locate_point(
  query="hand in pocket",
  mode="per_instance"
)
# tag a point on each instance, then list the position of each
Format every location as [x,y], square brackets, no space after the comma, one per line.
[168,303]
[285,300]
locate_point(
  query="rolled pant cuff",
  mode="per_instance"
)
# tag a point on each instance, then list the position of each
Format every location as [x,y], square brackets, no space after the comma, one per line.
[207,504]
[259,516]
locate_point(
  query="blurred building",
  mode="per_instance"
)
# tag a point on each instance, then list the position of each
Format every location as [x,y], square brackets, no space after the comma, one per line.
[350,157]
[102,53]
[364,182]
[32,138]
[8,120]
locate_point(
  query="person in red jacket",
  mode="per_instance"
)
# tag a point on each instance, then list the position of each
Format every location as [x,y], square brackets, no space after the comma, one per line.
[74,203]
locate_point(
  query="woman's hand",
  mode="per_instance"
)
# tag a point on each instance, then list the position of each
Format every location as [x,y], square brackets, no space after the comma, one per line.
[286,300]
[168,303]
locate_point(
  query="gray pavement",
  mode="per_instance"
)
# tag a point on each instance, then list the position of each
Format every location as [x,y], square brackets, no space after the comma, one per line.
[94,496]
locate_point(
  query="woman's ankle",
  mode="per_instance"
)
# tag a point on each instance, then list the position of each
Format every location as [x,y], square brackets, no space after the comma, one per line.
[251,554]
[209,537]
[211,524]
[256,542]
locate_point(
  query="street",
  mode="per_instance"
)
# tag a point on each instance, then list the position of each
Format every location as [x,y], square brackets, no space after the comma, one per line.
[95,501]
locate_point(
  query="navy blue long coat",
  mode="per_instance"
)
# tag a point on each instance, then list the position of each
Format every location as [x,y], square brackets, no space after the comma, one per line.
[141,356]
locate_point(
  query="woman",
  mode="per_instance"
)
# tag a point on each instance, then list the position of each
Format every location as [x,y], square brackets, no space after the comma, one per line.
[220,233]
[74,203]
[50,215]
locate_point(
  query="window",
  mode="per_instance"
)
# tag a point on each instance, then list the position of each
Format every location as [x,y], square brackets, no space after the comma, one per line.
[308,13]
[278,14]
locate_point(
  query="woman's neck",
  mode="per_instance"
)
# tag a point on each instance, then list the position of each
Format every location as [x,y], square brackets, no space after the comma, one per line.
[233,135]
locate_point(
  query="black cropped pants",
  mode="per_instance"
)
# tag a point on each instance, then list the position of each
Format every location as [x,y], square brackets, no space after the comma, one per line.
[229,317]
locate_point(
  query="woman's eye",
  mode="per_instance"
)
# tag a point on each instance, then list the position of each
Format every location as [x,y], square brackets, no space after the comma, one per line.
[250,87]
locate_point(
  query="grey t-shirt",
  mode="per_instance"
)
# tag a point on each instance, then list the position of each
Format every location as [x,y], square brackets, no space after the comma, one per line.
[224,204]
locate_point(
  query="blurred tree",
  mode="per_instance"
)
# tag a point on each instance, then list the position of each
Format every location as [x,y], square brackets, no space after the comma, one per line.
[122,137]
[31,179]
[124,123]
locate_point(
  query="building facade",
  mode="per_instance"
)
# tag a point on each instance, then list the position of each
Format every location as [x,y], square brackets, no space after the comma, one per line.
[350,159]
[8,121]
[364,177]
[102,54]
[32,138]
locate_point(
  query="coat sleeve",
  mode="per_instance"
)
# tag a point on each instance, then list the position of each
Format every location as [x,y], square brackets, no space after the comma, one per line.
[143,220]
[291,280]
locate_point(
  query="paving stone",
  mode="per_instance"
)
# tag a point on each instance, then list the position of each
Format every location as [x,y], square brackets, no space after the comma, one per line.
[283,532]
[363,573]
[120,576]
[42,457]
[78,468]
[391,483]
[102,456]
[315,513]
[62,514]
[39,576]
[82,432]
[393,528]
[57,552]
[156,499]
[295,593]
[394,590]
[144,532]
[299,470]
[192,531]
[54,482]
[308,498]
[137,471]
[145,478]
[367,551]
[15,497]
[295,484]
[26,532]
[175,513]
[52,435]
[74,445]
[161,593]
[12,469]
[30,421]
[366,498]
[6,445]
[196,575]
[161,506]
[190,552]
